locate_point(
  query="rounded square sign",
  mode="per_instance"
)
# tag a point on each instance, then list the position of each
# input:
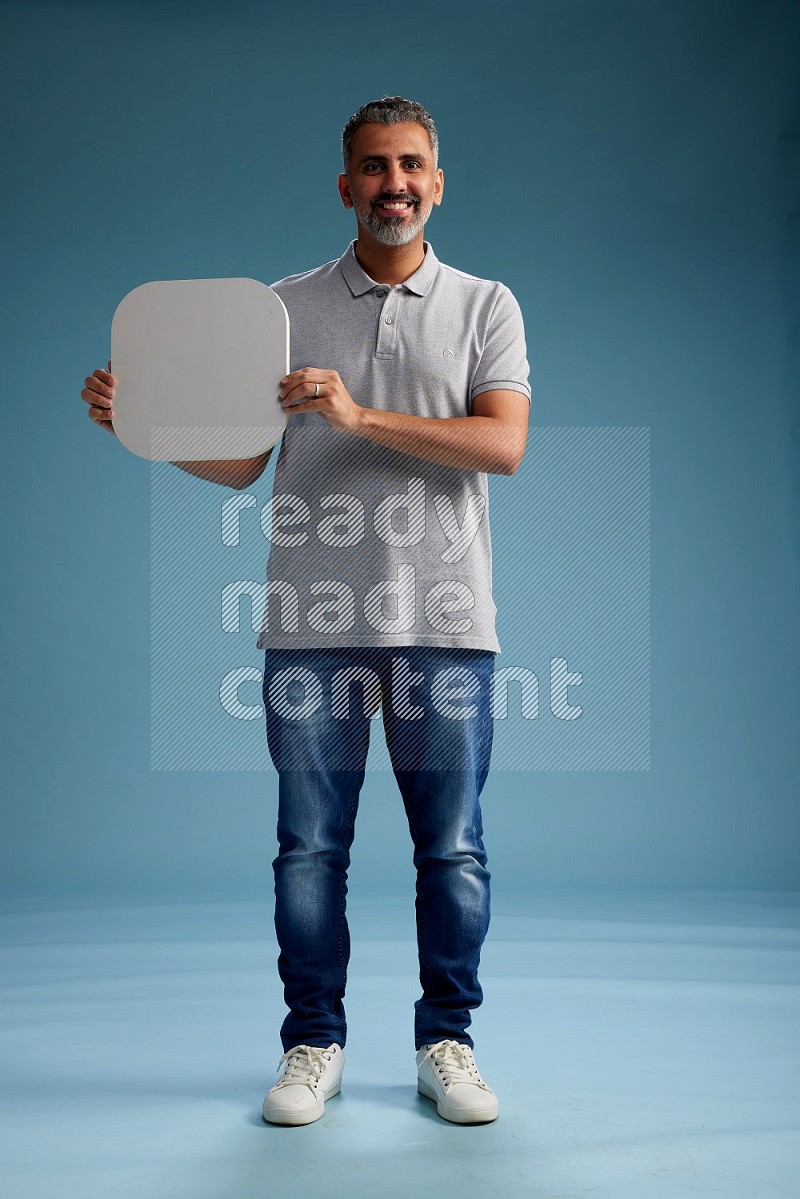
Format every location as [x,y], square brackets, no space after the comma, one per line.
[198,364]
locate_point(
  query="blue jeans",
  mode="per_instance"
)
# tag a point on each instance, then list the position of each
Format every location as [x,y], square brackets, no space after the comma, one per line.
[439,740]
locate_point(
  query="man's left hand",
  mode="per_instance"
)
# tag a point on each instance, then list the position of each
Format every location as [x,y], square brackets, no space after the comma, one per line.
[315,390]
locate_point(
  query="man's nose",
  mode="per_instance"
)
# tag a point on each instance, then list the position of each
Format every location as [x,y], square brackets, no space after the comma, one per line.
[396,181]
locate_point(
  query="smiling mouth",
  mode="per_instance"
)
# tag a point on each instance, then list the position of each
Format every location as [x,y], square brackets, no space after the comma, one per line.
[395,207]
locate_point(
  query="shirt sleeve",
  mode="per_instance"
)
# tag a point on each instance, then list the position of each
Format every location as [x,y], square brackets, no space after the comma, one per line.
[503,364]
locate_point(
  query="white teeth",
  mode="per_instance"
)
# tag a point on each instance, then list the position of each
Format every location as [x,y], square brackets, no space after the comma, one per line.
[394,207]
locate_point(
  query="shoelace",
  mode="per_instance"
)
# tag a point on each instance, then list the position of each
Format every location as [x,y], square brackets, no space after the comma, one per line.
[454,1062]
[304,1064]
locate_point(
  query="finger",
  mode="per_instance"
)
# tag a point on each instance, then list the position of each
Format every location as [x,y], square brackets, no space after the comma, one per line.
[98,387]
[101,381]
[313,373]
[303,391]
[304,372]
[97,393]
[101,416]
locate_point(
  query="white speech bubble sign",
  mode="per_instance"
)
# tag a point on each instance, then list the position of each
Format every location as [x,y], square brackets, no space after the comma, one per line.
[198,364]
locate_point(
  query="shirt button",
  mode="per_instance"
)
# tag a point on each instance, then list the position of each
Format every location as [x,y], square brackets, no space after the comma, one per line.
[380,293]
[388,320]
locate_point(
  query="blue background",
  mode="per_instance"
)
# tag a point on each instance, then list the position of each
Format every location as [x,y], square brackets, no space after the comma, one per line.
[631,172]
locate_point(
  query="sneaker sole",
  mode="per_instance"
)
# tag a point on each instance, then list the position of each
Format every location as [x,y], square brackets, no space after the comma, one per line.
[295,1116]
[480,1115]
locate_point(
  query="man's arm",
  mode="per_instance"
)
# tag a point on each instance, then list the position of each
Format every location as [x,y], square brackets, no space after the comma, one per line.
[492,439]
[237,472]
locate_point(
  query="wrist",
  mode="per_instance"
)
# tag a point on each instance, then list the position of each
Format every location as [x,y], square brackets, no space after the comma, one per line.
[363,421]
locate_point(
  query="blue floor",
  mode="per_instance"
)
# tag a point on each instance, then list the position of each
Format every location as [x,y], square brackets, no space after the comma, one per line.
[642,1044]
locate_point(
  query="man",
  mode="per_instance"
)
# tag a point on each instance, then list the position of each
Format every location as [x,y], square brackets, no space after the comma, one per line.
[409,383]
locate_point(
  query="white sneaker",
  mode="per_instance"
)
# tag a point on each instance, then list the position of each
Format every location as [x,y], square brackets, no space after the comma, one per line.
[311,1075]
[446,1073]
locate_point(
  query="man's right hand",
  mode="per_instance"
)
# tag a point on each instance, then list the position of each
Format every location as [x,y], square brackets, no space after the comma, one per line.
[238,473]
[98,393]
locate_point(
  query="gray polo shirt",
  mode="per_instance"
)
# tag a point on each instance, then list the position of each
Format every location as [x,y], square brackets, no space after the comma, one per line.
[368,545]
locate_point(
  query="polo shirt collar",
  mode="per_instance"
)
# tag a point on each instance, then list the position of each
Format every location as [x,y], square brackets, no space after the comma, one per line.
[359,281]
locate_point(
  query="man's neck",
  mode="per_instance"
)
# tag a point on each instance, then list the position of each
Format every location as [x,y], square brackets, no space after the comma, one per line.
[389,264]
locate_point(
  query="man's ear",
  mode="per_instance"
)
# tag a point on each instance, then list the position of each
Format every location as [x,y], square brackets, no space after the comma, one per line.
[438,187]
[344,191]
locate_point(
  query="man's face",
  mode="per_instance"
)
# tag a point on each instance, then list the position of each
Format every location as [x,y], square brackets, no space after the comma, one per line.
[391,181]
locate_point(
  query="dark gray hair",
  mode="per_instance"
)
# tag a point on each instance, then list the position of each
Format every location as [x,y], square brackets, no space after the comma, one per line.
[389,110]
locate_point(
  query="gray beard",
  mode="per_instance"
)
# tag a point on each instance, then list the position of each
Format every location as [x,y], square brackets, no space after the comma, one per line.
[392,231]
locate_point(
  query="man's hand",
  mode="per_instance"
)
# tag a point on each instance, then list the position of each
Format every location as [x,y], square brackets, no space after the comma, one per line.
[314,390]
[98,394]
[491,439]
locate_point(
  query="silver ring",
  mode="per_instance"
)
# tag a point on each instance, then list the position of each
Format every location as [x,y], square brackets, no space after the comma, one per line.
[316,391]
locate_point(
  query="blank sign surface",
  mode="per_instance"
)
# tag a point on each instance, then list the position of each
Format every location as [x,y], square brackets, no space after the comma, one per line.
[198,364]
